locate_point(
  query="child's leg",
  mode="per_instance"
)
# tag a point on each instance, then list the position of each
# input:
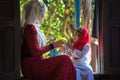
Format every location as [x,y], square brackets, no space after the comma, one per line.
[90,75]
[78,77]
[84,73]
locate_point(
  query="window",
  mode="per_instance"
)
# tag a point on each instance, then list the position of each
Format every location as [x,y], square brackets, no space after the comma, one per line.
[59,18]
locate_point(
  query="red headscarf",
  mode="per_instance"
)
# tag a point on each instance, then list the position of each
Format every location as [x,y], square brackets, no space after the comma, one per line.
[83,39]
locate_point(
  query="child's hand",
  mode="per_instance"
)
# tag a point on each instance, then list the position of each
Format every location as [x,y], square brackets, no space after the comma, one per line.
[70,46]
[58,43]
[62,48]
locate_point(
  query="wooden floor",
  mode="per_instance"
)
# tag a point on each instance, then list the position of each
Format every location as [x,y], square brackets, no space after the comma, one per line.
[99,77]
[106,77]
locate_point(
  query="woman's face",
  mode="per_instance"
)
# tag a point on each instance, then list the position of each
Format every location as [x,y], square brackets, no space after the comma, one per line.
[42,19]
[75,36]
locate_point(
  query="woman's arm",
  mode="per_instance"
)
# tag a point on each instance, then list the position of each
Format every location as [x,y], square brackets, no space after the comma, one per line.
[31,41]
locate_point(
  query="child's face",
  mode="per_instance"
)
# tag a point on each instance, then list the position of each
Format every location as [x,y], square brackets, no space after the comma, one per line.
[75,36]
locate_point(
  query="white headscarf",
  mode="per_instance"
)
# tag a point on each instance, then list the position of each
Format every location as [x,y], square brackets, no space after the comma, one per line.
[33,12]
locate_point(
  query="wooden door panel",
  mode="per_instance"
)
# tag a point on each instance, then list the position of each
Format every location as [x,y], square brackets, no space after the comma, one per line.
[115,47]
[111,35]
[9,40]
[6,12]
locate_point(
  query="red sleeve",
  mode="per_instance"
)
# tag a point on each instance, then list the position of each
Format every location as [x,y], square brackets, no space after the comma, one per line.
[30,38]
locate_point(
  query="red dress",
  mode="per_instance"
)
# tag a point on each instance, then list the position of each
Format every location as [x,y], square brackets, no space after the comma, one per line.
[36,68]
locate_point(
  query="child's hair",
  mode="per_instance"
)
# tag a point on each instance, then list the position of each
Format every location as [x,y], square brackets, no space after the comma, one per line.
[79,30]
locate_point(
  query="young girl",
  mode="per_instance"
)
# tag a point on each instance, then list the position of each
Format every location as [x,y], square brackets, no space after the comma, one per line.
[81,54]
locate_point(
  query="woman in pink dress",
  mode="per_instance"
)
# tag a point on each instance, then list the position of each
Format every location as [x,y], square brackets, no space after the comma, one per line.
[34,66]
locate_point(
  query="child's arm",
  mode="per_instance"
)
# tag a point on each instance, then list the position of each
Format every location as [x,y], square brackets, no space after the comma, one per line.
[84,52]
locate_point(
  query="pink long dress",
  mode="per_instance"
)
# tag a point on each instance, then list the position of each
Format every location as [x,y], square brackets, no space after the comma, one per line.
[37,68]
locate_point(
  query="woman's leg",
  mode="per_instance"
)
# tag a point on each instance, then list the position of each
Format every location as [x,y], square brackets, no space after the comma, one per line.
[54,68]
